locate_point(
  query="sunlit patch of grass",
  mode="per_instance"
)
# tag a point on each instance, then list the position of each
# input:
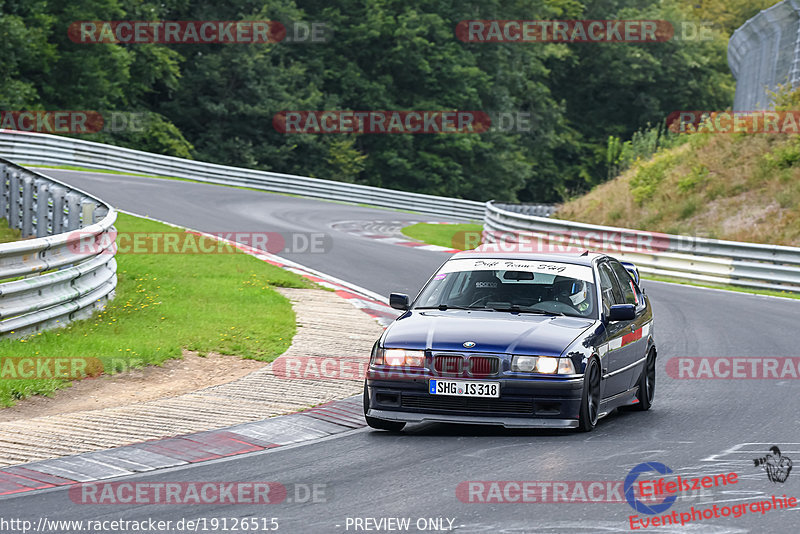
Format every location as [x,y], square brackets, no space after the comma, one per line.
[464,236]
[7,234]
[224,303]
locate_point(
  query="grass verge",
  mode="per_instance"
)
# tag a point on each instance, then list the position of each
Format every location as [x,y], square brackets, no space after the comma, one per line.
[740,187]
[7,235]
[465,236]
[165,303]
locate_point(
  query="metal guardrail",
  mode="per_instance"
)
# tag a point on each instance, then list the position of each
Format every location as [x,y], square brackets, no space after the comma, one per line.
[54,277]
[44,149]
[765,52]
[749,265]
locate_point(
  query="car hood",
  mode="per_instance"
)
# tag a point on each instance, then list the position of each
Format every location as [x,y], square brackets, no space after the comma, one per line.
[496,332]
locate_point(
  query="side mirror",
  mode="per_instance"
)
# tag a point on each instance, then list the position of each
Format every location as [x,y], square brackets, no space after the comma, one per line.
[399,301]
[622,312]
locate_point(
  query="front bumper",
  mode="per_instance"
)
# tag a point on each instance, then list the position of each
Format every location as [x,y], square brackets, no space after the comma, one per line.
[526,403]
[508,422]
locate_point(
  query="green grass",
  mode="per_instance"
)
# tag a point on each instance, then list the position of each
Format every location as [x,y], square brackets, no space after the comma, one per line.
[460,236]
[166,303]
[7,235]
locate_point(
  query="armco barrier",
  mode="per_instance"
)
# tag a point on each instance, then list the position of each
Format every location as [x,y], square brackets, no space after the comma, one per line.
[707,260]
[765,52]
[43,149]
[51,279]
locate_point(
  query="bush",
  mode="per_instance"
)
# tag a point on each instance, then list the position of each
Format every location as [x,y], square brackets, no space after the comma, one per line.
[644,143]
[646,181]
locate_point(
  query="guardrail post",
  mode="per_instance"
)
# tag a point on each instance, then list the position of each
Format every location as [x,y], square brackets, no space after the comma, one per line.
[73,209]
[87,213]
[57,221]
[5,177]
[14,200]
[42,208]
[27,206]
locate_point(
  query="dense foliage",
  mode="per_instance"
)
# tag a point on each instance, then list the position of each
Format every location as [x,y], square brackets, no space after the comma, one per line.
[216,102]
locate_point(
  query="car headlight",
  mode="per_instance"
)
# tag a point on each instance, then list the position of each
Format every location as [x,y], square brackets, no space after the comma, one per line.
[403,357]
[546,365]
[525,364]
[542,364]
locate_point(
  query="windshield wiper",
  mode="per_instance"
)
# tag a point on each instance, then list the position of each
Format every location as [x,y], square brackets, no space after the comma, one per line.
[443,307]
[517,309]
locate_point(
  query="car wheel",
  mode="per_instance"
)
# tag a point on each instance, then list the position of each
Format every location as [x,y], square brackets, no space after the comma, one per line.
[590,399]
[379,424]
[647,384]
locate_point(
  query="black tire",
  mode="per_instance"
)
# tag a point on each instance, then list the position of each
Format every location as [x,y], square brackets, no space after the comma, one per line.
[590,398]
[647,384]
[380,424]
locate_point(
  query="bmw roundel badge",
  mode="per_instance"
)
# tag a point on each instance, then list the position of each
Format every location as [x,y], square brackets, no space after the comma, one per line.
[469,344]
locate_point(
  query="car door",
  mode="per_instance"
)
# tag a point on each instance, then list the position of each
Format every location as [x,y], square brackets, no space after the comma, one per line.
[634,341]
[615,353]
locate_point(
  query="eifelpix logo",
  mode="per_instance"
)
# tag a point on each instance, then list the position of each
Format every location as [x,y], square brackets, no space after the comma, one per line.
[630,484]
[775,464]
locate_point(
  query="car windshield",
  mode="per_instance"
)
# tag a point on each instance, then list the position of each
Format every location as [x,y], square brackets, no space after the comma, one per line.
[517,286]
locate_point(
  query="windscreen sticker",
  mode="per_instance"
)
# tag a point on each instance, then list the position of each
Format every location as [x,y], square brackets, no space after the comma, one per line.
[440,276]
[579,272]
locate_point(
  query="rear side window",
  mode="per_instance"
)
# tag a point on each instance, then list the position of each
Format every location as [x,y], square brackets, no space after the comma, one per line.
[627,285]
[609,287]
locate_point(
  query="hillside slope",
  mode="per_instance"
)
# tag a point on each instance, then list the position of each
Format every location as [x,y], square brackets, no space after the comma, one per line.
[740,187]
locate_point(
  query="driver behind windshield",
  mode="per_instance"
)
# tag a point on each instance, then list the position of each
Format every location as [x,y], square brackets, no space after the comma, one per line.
[510,290]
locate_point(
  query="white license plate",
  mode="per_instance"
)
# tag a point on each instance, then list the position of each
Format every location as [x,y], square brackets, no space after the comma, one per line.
[464,388]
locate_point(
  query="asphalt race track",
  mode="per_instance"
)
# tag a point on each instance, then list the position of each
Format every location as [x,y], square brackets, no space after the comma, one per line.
[696,427]
[212,208]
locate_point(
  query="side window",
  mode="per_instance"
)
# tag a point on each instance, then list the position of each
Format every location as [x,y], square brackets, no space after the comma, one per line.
[609,288]
[628,287]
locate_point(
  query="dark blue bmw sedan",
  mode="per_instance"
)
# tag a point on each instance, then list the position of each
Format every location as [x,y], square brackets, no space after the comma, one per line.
[519,340]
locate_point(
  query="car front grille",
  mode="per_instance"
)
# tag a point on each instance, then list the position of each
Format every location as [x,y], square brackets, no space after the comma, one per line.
[448,365]
[468,404]
[483,366]
[475,366]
